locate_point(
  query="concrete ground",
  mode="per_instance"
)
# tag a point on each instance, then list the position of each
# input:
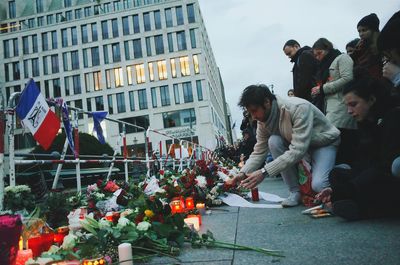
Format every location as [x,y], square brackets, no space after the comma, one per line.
[302,239]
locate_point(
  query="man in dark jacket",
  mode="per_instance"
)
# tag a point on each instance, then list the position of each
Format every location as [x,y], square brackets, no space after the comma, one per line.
[304,68]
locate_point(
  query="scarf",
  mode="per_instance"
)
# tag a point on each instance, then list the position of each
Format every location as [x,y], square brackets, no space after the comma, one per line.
[272,122]
[323,71]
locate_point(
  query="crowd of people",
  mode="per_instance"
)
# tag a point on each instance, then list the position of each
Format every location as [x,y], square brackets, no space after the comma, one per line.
[342,116]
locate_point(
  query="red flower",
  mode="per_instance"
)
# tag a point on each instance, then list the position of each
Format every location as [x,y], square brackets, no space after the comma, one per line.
[139,218]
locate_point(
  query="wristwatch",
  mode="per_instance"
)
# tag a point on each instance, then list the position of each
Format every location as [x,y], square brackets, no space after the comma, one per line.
[264,172]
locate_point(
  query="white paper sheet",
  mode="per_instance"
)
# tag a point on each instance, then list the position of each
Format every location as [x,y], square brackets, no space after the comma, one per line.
[268,197]
[237,201]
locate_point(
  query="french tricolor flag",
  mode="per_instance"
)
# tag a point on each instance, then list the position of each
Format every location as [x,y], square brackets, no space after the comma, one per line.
[35,114]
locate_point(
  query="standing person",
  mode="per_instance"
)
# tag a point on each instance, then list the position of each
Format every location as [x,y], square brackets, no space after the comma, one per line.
[335,71]
[351,46]
[290,128]
[369,188]
[367,59]
[304,68]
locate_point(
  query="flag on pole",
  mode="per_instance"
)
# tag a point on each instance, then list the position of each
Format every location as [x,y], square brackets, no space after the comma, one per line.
[98,117]
[68,127]
[36,115]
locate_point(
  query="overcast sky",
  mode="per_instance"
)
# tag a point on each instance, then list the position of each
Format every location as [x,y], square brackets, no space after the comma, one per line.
[247,36]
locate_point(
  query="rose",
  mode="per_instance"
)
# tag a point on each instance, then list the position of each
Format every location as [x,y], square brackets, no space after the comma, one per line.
[143,226]
[149,213]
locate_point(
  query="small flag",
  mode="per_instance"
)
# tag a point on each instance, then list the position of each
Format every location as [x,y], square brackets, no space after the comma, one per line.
[36,115]
[98,117]
[67,127]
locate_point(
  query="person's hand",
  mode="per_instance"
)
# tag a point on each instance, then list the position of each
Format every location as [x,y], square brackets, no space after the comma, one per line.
[237,178]
[324,195]
[315,90]
[252,180]
[390,70]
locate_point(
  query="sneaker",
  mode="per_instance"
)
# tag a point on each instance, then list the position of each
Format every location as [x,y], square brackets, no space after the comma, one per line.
[294,199]
[347,209]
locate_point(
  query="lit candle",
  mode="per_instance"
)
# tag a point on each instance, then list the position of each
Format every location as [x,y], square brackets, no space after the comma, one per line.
[96,261]
[125,254]
[198,216]
[193,221]
[176,205]
[189,203]
[201,207]
[23,256]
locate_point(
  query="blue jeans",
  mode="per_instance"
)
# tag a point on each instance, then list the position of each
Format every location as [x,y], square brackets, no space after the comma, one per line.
[322,161]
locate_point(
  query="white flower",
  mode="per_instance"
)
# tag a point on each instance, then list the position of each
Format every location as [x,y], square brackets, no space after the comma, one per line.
[143,226]
[69,242]
[126,213]
[160,190]
[201,181]
[122,222]
[103,223]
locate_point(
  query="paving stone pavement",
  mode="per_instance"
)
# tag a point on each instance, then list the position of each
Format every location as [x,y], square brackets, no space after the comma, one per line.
[302,239]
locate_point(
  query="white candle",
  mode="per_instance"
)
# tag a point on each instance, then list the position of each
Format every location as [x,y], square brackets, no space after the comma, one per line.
[125,253]
[193,221]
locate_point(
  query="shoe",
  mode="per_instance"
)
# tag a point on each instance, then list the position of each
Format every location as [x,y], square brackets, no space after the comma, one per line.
[347,209]
[294,199]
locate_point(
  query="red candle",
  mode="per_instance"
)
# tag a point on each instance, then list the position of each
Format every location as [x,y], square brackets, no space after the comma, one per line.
[189,203]
[254,195]
[177,205]
[23,256]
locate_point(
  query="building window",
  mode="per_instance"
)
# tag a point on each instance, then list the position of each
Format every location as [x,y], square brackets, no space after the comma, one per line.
[66,86]
[26,71]
[121,103]
[78,104]
[31,23]
[157,19]
[85,58]
[39,6]
[136,25]
[94,32]
[66,64]
[179,15]
[141,121]
[162,70]
[25,45]
[154,97]
[140,76]
[56,87]
[159,43]
[170,42]
[196,64]
[50,19]
[165,99]
[110,104]
[116,52]
[131,101]
[96,9]
[105,54]
[148,46]
[151,71]
[87,11]
[142,99]
[137,49]
[114,25]
[193,38]
[15,47]
[118,76]
[187,92]
[117,5]
[125,26]
[108,78]
[129,74]
[199,90]
[54,64]
[127,51]
[107,7]
[78,13]
[45,66]
[184,63]
[84,33]
[68,15]
[178,118]
[45,42]
[34,43]
[40,21]
[97,80]
[64,38]
[173,67]
[12,12]
[16,72]
[89,104]
[190,13]
[6,44]
[75,60]
[59,18]
[99,103]
[127,4]
[176,94]
[54,40]
[35,67]
[67,3]
[147,23]
[76,81]
[168,17]
[74,36]
[104,29]
[181,40]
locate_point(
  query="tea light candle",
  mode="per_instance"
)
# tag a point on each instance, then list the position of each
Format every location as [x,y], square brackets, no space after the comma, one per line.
[125,254]
[176,205]
[97,261]
[23,256]
[201,207]
[189,203]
